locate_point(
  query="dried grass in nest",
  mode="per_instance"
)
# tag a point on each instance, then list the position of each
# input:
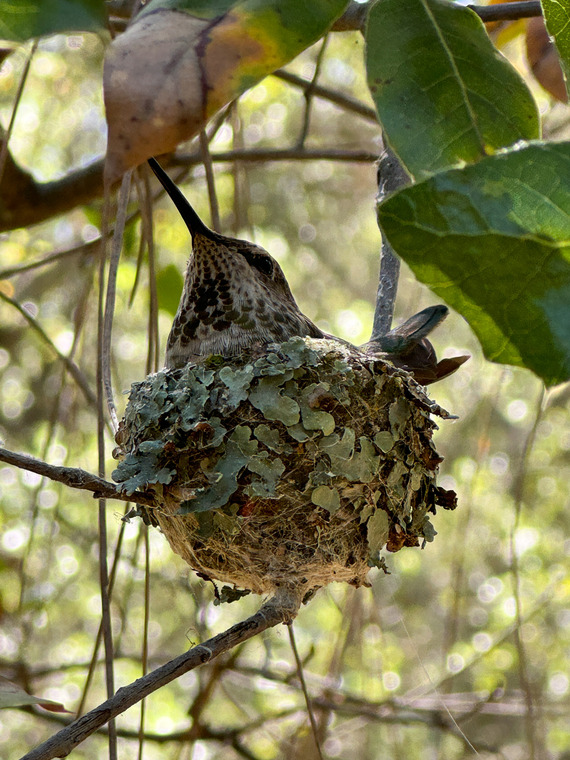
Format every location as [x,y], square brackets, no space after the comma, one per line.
[295,468]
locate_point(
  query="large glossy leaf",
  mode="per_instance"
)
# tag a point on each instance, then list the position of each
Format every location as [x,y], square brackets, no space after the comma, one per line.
[493,240]
[557,18]
[22,19]
[182,60]
[443,93]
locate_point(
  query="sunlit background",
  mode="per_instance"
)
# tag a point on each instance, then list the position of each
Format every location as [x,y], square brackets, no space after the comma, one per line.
[440,656]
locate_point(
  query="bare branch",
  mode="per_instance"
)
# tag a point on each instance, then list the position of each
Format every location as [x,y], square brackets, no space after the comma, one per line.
[333,96]
[391,177]
[17,99]
[508,11]
[285,154]
[354,17]
[282,608]
[74,477]
[70,365]
[25,201]
[116,246]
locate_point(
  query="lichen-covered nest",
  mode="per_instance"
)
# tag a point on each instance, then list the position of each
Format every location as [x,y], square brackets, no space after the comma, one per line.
[296,467]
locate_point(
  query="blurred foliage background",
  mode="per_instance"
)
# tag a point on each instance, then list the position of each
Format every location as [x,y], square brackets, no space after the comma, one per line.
[463,648]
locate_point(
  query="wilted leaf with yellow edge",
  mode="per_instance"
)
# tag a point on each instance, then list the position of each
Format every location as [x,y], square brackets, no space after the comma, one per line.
[178,64]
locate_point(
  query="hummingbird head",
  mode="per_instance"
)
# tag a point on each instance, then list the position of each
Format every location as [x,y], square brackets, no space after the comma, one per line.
[235,293]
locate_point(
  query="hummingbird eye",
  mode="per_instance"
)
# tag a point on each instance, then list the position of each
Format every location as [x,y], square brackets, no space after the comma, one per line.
[262,262]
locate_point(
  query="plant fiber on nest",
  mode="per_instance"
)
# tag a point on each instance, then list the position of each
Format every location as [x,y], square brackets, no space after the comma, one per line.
[294,467]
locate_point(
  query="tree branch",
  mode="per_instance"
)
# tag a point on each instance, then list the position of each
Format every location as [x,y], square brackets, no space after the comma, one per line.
[279,154]
[75,478]
[282,608]
[391,177]
[333,96]
[354,17]
[25,202]
[508,11]
[69,364]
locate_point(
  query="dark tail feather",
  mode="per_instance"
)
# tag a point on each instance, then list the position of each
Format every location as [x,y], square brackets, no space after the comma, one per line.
[191,218]
[408,347]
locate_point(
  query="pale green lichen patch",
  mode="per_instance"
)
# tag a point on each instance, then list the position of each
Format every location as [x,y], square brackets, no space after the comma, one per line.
[298,466]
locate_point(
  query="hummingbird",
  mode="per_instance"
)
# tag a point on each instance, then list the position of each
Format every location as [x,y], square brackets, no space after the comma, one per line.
[236,299]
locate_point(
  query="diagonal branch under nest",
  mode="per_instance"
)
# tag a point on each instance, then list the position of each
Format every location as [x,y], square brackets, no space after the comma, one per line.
[281,608]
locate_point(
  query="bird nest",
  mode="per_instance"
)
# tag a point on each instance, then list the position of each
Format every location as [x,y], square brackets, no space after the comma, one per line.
[295,468]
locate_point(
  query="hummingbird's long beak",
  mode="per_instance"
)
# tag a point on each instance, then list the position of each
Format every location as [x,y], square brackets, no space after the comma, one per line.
[191,218]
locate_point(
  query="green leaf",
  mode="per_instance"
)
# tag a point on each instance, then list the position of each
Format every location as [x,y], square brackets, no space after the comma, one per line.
[180,62]
[240,447]
[271,438]
[315,419]
[270,471]
[268,399]
[493,240]
[557,17]
[327,498]
[22,19]
[443,93]
[138,471]
[237,382]
[384,440]
[378,530]
[169,284]
[398,415]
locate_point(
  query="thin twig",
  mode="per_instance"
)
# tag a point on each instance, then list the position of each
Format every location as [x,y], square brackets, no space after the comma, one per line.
[84,185]
[481,430]
[518,492]
[240,176]
[354,17]
[280,154]
[301,675]
[79,321]
[97,643]
[21,84]
[70,365]
[106,624]
[74,478]
[146,623]
[50,258]
[111,293]
[391,177]
[282,608]
[310,92]
[210,181]
[333,96]
[105,311]
[508,11]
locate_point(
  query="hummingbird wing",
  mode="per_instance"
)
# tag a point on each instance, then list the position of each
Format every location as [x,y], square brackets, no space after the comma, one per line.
[408,347]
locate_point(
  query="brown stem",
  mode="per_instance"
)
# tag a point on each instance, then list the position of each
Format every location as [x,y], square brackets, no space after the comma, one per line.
[508,11]
[282,608]
[354,17]
[24,202]
[391,177]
